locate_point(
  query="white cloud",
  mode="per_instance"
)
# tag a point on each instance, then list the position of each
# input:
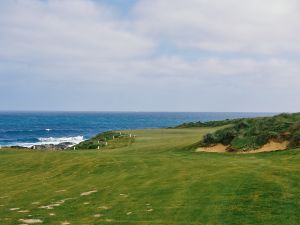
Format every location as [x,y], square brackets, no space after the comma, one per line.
[247,54]
[65,30]
[257,26]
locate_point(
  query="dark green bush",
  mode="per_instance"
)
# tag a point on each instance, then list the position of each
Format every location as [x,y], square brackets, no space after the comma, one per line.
[295,140]
[246,134]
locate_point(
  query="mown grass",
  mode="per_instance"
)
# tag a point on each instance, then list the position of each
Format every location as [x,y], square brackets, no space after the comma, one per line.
[155,180]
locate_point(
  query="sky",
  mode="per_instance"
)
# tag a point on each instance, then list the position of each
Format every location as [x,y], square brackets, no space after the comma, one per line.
[150,55]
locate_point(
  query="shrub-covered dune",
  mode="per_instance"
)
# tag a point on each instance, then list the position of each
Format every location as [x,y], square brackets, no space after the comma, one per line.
[254,133]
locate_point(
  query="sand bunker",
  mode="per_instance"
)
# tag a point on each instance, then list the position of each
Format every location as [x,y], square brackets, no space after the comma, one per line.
[30,221]
[271,146]
[215,148]
[88,193]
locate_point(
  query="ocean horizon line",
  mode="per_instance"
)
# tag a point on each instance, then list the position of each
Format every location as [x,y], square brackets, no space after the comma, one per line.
[133,111]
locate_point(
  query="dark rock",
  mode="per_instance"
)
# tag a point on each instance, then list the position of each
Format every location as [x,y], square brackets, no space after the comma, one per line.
[60,146]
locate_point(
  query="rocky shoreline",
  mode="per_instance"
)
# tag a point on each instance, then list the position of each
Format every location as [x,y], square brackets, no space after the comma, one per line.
[60,146]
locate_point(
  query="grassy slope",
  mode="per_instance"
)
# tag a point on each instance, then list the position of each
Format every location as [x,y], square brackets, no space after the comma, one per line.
[180,186]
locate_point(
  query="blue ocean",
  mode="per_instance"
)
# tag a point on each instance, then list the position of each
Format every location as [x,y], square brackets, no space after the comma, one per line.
[32,128]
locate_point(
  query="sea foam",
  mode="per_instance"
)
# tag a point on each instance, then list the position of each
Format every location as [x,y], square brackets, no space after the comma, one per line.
[55,141]
[52,140]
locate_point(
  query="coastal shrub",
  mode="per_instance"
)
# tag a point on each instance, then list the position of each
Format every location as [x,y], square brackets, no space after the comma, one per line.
[209,123]
[242,125]
[246,134]
[112,139]
[295,140]
[226,136]
[244,143]
[208,139]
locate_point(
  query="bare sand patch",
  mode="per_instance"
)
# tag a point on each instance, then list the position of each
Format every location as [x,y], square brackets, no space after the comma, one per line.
[61,191]
[88,193]
[55,204]
[104,207]
[51,206]
[63,200]
[98,215]
[14,209]
[271,146]
[124,195]
[65,223]
[23,211]
[215,148]
[30,221]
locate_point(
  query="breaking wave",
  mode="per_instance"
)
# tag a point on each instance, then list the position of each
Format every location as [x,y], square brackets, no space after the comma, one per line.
[55,141]
[51,140]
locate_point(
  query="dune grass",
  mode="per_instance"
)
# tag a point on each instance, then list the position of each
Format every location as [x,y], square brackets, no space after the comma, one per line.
[157,179]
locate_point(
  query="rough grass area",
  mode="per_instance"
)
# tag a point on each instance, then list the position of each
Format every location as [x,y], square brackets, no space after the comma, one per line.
[155,180]
[249,134]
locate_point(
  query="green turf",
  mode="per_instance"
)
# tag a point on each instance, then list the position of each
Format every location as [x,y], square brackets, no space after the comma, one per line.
[155,180]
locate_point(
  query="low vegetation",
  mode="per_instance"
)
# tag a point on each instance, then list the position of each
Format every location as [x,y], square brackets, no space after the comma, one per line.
[209,123]
[106,140]
[250,134]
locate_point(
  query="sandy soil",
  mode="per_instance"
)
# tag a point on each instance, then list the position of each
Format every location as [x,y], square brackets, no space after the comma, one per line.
[30,221]
[88,193]
[271,146]
[215,148]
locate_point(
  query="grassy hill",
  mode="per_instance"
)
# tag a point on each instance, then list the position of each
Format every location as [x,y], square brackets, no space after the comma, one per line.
[253,133]
[157,179]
